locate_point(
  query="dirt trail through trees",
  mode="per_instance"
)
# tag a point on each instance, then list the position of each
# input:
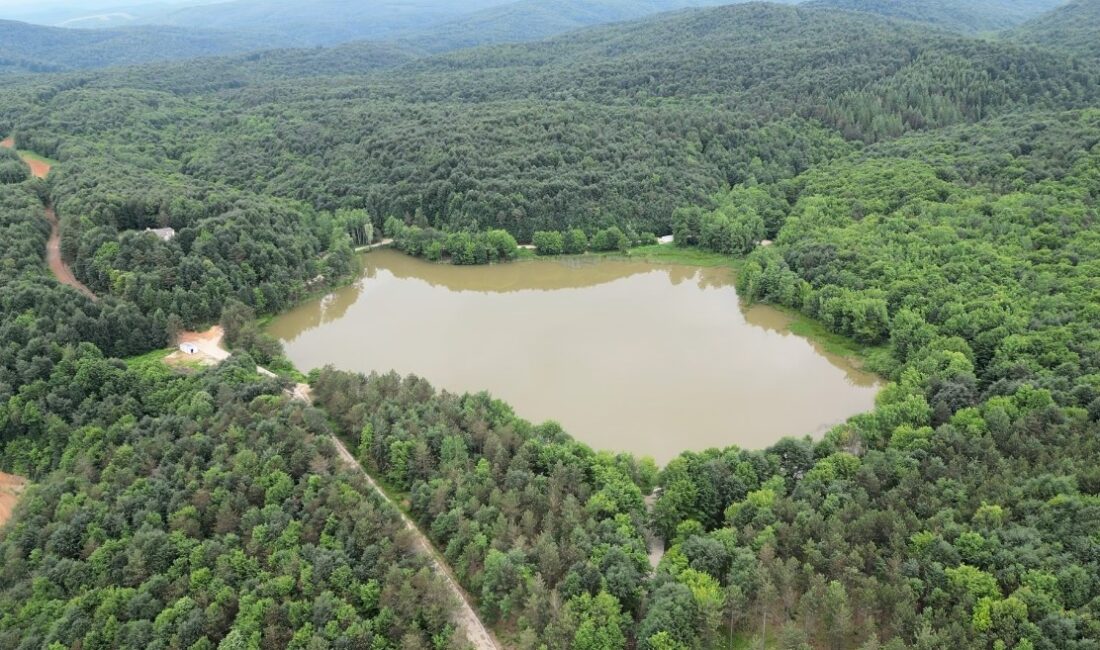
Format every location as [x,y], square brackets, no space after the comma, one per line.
[375,246]
[209,343]
[655,546]
[465,616]
[60,270]
[10,488]
[57,265]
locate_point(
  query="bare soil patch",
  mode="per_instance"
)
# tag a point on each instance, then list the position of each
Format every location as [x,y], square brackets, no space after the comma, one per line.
[208,343]
[58,267]
[180,359]
[11,487]
[39,168]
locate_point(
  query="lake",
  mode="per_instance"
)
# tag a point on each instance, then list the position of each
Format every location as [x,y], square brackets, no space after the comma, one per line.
[648,358]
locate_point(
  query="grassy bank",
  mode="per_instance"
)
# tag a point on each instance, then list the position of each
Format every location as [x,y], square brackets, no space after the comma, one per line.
[31,156]
[672,254]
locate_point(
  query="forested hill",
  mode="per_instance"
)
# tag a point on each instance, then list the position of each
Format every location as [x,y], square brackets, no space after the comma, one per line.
[611,125]
[1070,28]
[531,20]
[321,22]
[33,48]
[765,57]
[968,16]
[435,25]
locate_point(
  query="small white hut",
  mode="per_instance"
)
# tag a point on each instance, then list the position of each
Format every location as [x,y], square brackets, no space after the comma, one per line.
[189,348]
[163,234]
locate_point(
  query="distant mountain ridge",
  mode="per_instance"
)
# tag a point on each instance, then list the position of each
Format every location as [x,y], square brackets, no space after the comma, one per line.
[34,48]
[424,27]
[380,36]
[1073,27]
[531,20]
[321,22]
[967,16]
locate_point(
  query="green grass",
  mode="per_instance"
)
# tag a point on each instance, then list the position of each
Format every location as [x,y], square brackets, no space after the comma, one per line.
[151,363]
[30,155]
[149,358]
[672,254]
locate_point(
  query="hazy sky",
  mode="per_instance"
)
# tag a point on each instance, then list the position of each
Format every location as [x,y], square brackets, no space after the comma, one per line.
[52,11]
[89,5]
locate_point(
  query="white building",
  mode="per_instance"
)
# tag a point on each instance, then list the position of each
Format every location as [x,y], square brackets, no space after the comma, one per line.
[163,234]
[189,348]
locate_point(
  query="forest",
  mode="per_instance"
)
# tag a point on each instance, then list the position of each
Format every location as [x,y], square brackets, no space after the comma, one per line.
[930,196]
[979,16]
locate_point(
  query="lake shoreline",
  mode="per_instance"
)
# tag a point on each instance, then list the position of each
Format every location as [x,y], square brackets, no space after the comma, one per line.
[557,317]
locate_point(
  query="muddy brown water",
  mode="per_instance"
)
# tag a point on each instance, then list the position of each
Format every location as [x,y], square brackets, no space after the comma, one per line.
[628,356]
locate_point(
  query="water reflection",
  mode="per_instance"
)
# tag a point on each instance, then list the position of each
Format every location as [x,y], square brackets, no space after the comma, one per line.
[627,355]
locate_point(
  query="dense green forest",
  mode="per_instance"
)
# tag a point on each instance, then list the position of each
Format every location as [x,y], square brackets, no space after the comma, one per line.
[144,35]
[976,16]
[170,510]
[432,25]
[973,255]
[616,126]
[930,196]
[530,20]
[547,533]
[1071,28]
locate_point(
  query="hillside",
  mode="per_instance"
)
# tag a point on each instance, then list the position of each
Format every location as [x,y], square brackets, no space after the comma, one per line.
[1071,28]
[33,48]
[765,56]
[617,124]
[428,26]
[320,22]
[966,16]
[531,20]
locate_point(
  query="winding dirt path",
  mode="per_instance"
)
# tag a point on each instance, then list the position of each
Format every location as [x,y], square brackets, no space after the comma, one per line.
[465,617]
[60,270]
[57,265]
[209,343]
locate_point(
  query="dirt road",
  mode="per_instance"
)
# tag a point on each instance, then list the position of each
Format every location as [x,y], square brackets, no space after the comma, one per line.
[381,244]
[39,168]
[465,616]
[60,270]
[208,344]
[57,265]
[11,487]
[654,544]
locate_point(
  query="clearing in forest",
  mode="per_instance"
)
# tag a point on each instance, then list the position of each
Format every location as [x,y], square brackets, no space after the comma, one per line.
[40,167]
[11,487]
[197,349]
